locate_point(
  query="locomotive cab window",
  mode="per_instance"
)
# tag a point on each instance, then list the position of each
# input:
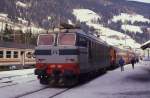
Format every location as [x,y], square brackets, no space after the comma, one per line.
[66,39]
[1,54]
[47,39]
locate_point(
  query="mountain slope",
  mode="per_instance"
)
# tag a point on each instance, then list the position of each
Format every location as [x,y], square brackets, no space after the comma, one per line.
[49,13]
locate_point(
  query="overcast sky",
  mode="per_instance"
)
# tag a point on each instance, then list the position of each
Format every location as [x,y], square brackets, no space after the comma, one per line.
[146,1]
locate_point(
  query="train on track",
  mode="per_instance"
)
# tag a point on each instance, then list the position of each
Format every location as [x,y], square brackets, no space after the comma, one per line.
[16,56]
[65,56]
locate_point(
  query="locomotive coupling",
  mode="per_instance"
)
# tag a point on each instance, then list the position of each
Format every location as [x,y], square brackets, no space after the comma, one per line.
[40,72]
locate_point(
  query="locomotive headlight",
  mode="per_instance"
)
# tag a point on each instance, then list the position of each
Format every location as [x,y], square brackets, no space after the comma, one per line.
[59,66]
[53,66]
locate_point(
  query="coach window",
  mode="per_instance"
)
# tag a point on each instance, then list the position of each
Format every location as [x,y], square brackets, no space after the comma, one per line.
[15,54]
[8,54]
[66,39]
[1,54]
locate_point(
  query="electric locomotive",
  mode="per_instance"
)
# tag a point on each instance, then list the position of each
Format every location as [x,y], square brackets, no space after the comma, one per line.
[62,57]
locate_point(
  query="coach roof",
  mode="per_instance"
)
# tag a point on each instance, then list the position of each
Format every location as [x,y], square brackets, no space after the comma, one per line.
[16,45]
[146,45]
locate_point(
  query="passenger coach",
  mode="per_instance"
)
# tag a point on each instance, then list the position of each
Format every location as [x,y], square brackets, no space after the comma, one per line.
[16,56]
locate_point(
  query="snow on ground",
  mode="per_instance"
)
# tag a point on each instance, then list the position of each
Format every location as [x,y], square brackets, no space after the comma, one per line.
[15,77]
[20,89]
[115,84]
[124,17]
[46,93]
[18,82]
[131,28]
[16,73]
[26,82]
[110,36]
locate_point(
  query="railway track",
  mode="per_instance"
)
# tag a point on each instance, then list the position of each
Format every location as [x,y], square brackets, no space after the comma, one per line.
[29,93]
[59,93]
[44,93]
[12,84]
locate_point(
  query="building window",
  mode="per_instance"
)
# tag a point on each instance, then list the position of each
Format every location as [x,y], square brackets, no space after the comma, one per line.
[15,54]
[8,54]
[1,54]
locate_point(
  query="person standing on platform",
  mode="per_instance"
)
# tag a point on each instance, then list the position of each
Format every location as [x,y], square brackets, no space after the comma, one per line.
[133,62]
[121,63]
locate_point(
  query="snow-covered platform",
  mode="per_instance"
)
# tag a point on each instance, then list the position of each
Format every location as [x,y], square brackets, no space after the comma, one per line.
[114,84]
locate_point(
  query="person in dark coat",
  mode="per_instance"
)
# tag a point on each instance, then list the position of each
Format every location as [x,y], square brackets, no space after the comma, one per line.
[133,62]
[121,63]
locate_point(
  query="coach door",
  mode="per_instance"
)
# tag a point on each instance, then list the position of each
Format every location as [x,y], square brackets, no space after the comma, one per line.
[22,53]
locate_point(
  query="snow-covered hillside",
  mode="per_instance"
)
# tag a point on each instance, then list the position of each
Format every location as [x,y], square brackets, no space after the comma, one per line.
[131,28]
[124,17]
[129,22]
[110,36]
[86,15]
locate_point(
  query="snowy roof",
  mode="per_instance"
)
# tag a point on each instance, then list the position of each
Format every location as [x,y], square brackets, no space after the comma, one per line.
[15,45]
[21,4]
[146,45]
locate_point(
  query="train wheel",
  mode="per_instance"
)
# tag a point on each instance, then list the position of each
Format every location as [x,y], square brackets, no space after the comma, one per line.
[72,82]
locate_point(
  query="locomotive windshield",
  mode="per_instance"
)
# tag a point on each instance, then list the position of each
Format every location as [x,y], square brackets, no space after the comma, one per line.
[47,39]
[66,39]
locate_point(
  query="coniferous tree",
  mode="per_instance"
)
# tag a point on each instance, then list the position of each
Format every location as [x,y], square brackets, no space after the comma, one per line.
[7,35]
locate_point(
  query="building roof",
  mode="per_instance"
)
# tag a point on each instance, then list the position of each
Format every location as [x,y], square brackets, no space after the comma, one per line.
[146,45]
[16,45]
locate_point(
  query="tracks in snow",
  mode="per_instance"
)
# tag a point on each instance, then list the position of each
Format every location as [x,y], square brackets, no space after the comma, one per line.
[44,93]
[16,79]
